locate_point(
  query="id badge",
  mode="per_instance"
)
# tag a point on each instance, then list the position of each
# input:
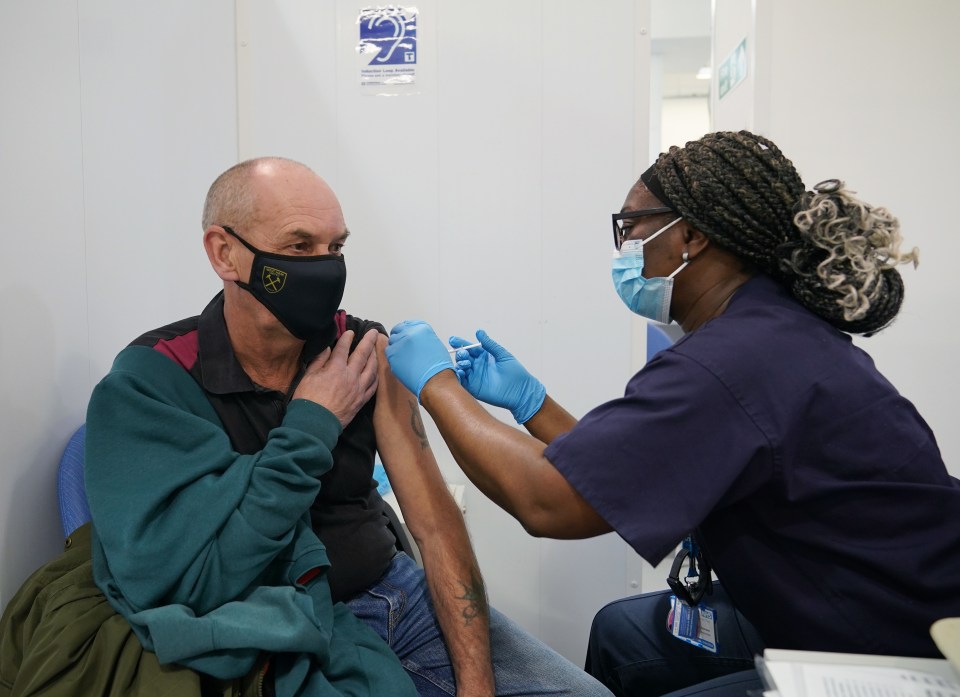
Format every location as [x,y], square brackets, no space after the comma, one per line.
[694,625]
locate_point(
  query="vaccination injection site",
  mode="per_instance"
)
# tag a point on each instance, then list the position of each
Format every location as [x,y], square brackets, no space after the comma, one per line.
[515,348]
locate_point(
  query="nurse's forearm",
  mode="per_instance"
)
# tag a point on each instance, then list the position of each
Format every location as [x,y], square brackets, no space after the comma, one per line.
[550,421]
[508,465]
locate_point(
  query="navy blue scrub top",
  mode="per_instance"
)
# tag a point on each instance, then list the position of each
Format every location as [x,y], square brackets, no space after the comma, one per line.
[817,491]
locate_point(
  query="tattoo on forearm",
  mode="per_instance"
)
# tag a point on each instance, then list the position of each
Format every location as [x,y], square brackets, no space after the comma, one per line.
[476,596]
[416,423]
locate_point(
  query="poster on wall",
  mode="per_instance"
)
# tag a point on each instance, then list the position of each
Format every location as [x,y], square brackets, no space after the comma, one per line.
[387,48]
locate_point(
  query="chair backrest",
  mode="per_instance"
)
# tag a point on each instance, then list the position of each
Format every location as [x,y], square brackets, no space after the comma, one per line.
[71,492]
[657,340]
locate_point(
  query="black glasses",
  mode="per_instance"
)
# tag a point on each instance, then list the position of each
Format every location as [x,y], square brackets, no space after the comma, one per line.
[619,233]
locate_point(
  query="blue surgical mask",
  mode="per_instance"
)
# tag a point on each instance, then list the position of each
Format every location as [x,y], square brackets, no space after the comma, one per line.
[647,297]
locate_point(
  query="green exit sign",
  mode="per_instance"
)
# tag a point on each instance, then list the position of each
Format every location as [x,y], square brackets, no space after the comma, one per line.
[733,70]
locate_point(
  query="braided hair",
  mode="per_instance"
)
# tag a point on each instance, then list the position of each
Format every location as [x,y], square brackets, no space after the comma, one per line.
[836,254]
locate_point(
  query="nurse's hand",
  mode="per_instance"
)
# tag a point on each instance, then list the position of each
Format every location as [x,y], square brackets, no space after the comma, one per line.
[416,354]
[491,374]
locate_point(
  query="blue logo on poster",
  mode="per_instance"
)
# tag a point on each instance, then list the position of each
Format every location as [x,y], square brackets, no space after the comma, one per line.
[391,33]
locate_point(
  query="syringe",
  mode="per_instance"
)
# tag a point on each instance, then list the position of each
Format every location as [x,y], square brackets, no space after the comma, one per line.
[463,348]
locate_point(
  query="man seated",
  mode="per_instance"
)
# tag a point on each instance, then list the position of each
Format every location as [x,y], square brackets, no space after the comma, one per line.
[236,522]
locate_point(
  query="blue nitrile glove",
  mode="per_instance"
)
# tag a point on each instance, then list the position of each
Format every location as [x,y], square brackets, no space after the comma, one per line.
[491,374]
[416,354]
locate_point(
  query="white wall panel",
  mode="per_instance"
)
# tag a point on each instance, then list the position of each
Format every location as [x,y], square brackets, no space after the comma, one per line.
[490,153]
[878,109]
[44,340]
[287,55]
[159,123]
[588,118]
[389,176]
[300,97]
[490,202]
[116,117]
[733,22]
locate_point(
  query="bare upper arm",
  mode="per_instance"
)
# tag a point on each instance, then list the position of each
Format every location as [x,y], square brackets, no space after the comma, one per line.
[406,453]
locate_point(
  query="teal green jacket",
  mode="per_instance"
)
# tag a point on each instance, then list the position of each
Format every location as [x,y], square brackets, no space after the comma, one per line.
[208,553]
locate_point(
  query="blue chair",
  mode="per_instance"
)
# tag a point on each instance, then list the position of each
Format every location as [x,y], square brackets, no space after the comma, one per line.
[71,492]
[657,340]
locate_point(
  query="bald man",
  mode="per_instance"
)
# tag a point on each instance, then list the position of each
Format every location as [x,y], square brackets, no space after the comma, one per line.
[230,461]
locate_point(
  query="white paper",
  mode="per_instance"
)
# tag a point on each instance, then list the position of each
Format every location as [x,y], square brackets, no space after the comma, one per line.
[833,680]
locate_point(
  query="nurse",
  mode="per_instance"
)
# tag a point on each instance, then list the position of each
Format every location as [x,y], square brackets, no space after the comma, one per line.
[764,440]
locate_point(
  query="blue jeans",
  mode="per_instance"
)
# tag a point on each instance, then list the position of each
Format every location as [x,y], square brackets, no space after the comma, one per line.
[399,609]
[632,652]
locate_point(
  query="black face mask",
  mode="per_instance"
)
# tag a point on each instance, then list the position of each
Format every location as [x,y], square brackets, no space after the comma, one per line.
[304,293]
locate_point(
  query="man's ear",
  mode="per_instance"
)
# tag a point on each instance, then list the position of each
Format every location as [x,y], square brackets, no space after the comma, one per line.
[222,253]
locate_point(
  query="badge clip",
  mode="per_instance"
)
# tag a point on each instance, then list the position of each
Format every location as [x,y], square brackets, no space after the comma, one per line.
[690,592]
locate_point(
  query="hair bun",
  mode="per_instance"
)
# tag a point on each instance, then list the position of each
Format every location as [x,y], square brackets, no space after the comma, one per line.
[872,318]
[845,259]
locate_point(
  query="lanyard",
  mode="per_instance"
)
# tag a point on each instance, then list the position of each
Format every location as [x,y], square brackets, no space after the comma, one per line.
[691,592]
